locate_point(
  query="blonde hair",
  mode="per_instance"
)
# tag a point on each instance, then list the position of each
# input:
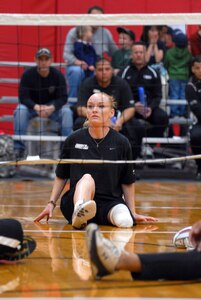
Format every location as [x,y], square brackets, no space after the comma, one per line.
[111,100]
[80,31]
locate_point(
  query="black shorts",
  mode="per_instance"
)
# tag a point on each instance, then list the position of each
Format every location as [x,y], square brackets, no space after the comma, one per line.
[103,208]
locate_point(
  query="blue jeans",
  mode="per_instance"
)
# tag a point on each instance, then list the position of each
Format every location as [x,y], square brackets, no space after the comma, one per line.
[177,91]
[23,115]
[74,75]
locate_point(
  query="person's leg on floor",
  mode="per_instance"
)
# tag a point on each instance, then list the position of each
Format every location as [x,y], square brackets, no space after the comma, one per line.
[84,205]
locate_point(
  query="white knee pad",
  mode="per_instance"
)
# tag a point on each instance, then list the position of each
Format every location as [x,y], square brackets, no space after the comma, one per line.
[120,216]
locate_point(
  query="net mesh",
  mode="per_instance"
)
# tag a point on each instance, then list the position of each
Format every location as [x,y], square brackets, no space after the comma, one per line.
[43,137]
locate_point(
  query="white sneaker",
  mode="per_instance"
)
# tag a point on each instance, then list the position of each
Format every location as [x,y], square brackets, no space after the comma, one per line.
[104,255]
[181,239]
[84,212]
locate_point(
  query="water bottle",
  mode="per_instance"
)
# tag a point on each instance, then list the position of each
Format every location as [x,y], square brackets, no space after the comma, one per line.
[113,119]
[142,96]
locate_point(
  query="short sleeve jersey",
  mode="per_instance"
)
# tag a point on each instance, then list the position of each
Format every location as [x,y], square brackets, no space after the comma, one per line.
[108,177]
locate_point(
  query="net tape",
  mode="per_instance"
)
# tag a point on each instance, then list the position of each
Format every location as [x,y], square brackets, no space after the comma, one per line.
[37,161]
[100,19]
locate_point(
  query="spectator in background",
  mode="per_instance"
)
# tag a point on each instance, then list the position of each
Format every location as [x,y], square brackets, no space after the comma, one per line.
[83,49]
[155,51]
[42,93]
[155,47]
[166,36]
[195,42]
[121,57]
[105,81]
[139,74]
[102,42]
[193,96]
[177,62]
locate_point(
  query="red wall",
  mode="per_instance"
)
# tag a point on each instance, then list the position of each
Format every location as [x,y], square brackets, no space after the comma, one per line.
[19,43]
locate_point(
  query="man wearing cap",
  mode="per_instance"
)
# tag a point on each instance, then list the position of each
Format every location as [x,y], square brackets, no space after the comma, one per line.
[121,57]
[42,93]
[13,244]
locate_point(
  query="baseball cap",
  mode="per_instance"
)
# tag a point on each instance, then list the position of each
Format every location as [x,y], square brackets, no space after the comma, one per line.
[43,51]
[13,244]
[126,31]
[180,39]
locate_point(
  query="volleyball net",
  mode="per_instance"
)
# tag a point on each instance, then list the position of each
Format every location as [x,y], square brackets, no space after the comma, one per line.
[46,30]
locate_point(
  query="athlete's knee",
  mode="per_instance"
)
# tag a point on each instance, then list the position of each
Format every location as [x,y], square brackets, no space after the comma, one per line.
[120,216]
[87,179]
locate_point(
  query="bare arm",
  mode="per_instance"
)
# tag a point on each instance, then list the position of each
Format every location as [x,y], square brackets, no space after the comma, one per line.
[129,196]
[57,189]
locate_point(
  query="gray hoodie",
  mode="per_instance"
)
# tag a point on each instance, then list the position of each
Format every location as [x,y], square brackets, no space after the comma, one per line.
[102,41]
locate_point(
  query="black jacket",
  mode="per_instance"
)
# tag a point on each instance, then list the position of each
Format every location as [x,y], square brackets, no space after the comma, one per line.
[35,89]
[193,96]
[146,77]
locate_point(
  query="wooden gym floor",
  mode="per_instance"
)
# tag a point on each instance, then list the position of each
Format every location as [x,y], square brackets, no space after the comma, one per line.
[59,267]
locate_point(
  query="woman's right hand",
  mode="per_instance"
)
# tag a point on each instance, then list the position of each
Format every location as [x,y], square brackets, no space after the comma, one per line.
[47,212]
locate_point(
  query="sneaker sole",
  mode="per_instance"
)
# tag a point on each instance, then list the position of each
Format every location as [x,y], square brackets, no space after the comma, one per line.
[87,212]
[180,240]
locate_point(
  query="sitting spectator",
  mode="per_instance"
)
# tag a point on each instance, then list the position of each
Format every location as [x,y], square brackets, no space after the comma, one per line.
[105,81]
[155,47]
[102,42]
[155,53]
[177,62]
[166,36]
[122,56]
[139,74]
[83,49]
[42,92]
[193,96]
[195,42]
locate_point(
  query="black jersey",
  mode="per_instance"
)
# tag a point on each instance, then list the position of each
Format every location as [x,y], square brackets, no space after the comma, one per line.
[108,177]
[193,96]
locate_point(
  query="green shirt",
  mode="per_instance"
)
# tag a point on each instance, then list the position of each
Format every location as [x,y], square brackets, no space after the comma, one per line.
[177,61]
[121,58]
